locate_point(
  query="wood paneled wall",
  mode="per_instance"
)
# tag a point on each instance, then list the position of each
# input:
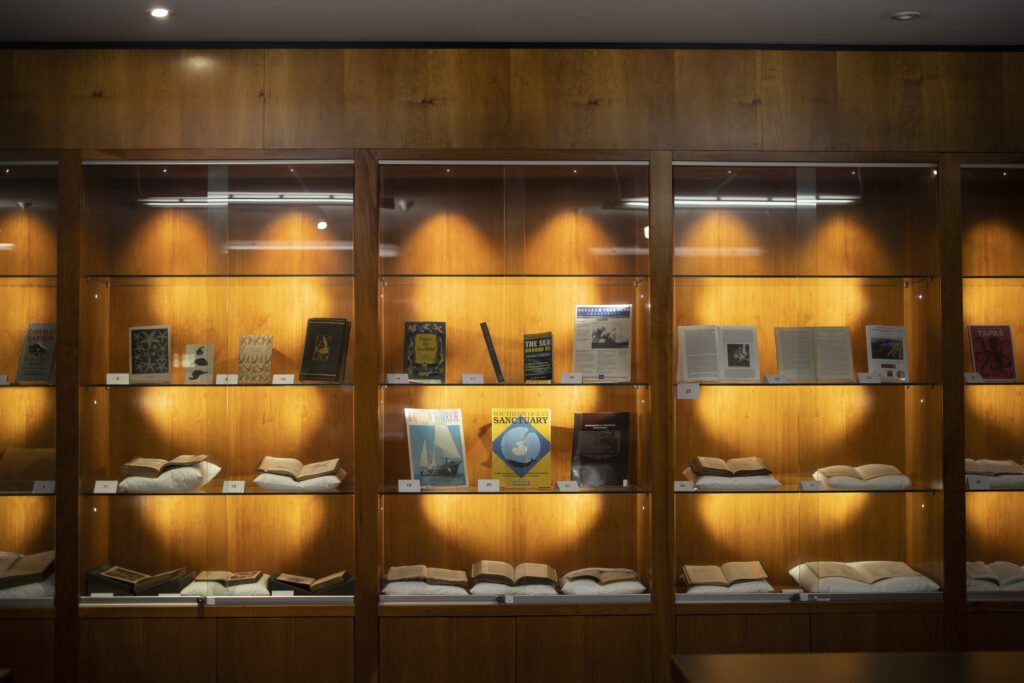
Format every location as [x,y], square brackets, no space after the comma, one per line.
[505,98]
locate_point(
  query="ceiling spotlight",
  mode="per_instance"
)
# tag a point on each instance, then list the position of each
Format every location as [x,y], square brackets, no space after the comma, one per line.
[159,12]
[322,225]
[905,16]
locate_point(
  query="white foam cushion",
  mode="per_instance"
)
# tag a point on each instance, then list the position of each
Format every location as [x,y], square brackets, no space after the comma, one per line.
[763,482]
[1006,481]
[176,479]
[591,587]
[761,586]
[889,482]
[216,588]
[809,581]
[280,482]
[488,588]
[421,588]
[39,589]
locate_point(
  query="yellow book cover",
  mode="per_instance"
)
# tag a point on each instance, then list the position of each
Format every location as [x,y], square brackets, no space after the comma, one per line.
[521,447]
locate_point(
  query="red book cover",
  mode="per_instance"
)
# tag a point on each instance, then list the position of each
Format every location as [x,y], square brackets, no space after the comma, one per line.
[992,350]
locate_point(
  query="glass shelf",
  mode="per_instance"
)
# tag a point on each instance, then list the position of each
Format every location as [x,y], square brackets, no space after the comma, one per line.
[614,276]
[897,279]
[930,385]
[215,276]
[602,490]
[219,386]
[215,489]
[635,385]
[795,488]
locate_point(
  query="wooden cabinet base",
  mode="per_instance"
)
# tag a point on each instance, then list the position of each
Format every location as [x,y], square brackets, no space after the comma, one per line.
[26,648]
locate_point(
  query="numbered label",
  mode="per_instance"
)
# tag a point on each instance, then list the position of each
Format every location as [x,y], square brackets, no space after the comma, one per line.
[233,487]
[973,378]
[869,378]
[409,485]
[227,379]
[811,485]
[282,594]
[684,486]
[105,487]
[44,487]
[689,391]
[5,381]
[398,378]
[569,486]
[488,486]
[114,378]
[472,378]
[283,379]
[776,379]
[978,483]
[572,378]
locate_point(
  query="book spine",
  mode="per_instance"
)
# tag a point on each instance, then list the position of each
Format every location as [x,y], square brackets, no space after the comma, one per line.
[492,353]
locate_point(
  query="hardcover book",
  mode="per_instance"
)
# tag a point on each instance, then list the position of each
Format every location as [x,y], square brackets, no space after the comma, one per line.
[992,351]
[537,360]
[27,569]
[150,349]
[154,467]
[338,583]
[290,467]
[600,449]
[198,364]
[887,352]
[601,343]
[718,353]
[999,574]
[109,578]
[521,447]
[425,352]
[437,449]
[525,573]
[492,353]
[814,354]
[323,356]
[863,472]
[254,354]
[725,576]
[751,466]
[229,578]
[37,351]
[432,575]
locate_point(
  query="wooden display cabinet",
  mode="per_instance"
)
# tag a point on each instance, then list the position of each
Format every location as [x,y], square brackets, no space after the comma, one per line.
[793,245]
[215,251]
[516,245]
[28,413]
[993,283]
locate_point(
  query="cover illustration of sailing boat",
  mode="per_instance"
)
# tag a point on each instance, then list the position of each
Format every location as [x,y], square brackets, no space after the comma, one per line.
[437,450]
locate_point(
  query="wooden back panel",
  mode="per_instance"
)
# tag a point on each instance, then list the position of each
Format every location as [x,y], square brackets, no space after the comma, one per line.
[993,220]
[993,526]
[28,524]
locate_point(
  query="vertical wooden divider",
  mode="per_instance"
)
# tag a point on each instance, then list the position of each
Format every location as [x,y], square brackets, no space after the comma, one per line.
[69,175]
[367,330]
[952,355]
[662,442]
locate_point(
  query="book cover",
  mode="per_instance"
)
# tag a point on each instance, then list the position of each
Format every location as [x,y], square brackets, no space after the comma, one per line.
[323,355]
[601,342]
[887,352]
[150,351]
[992,351]
[425,352]
[521,447]
[254,352]
[537,360]
[600,449]
[492,353]
[437,449]
[198,364]
[37,351]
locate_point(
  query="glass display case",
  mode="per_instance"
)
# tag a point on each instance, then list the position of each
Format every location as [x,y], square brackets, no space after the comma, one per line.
[993,270]
[807,306]
[198,284]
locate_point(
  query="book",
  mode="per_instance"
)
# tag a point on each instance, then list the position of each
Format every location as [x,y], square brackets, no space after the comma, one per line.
[999,574]
[154,467]
[198,364]
[254,358]
[521,447]
[718,353]
[992,468]
[290,467]
[736,467]
[432,575]
[229,578]
[537,358]
[992,351]
[120,581]
[600,448]
[492,353]
[37,351]
[725,576]
[325,349]
[814,354]
[865,572]
[522,574]
[425,352]
[27,569]
[305,584]
[863,472]
[887,352]
[602,576]
[601,343]
[437,449]
[150,353]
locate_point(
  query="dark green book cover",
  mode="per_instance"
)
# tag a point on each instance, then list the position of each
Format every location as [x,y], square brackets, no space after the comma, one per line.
[537,365]
[323,357]
[425,352]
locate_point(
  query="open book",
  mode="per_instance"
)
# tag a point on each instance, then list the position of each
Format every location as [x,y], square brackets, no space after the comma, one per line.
[520,575]
[992,467]
[713,352]
[432,575]
[725,576]
[154,467]
[27,569]
[312,585]
[999,574]
[602,576]
[864,472]
[735,467]
[290,467]
[814,354]
[229,578]
[126,581]
[865,572]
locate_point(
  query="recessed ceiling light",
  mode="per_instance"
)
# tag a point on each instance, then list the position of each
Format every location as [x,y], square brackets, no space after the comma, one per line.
[321,225]
[159,12]
[905,16]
